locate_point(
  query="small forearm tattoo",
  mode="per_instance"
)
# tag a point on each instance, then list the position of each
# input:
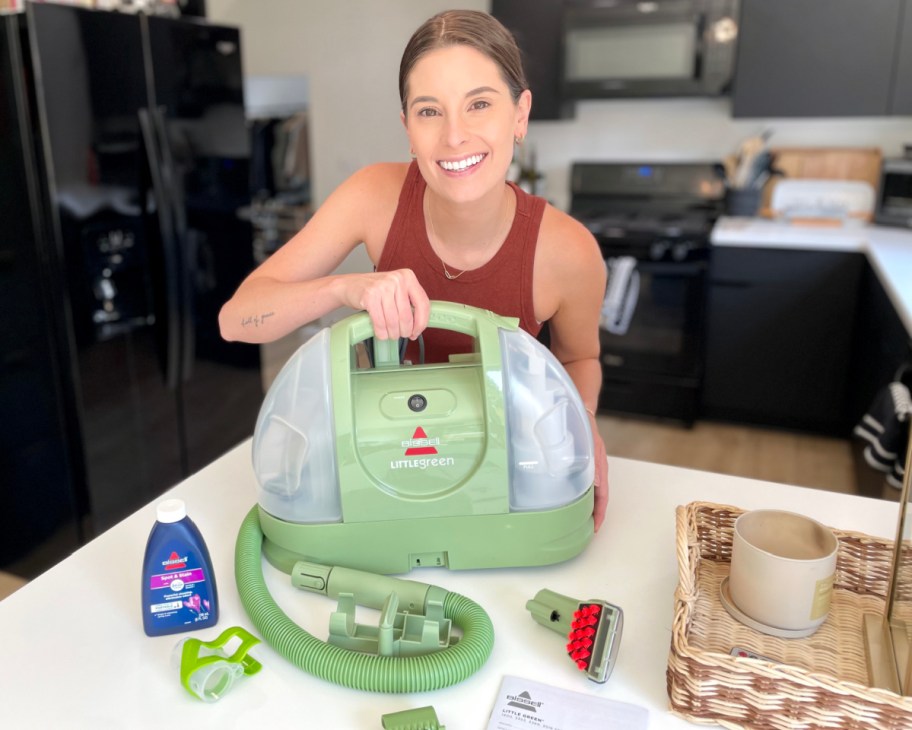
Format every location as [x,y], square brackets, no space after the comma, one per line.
[256,320]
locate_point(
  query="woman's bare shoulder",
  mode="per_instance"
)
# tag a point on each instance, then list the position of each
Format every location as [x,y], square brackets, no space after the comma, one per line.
[566,242]
[379,181]
[568,264]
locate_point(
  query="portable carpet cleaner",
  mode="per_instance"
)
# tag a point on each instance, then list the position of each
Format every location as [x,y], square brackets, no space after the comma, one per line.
[485,461]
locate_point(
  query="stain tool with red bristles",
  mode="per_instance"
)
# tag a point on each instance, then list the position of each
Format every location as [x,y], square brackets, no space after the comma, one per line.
[592,629]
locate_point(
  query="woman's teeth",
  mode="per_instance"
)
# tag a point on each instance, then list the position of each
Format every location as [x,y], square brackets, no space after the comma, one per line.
[461,164]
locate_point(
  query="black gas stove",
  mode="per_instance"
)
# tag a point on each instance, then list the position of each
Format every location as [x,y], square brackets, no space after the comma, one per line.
[637,204]
[658,217]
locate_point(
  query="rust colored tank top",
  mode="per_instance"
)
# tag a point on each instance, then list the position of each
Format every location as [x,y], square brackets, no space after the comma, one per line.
[503,284]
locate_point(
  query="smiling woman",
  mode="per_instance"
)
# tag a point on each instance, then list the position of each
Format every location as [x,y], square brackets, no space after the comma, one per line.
[447,227]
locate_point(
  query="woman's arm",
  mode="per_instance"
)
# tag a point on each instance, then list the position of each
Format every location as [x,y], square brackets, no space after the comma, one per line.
[295,285]
[573,288]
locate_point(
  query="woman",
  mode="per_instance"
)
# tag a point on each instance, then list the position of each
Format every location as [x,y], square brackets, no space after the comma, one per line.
[447,226]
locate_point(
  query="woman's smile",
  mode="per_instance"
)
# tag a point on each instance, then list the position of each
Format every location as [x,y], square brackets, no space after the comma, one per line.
[461,165]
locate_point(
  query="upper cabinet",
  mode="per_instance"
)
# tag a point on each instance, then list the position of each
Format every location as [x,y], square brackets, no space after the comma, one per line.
[902,86]
[794,58]
[823,58]
[537,29]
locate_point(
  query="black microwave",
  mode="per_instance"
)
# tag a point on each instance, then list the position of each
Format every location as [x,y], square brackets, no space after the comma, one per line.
[658,48]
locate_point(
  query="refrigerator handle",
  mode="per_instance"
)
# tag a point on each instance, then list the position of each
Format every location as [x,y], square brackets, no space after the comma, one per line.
[169,250]
[186,246]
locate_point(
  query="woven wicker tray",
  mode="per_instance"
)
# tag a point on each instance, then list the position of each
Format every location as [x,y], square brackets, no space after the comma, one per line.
[817,682]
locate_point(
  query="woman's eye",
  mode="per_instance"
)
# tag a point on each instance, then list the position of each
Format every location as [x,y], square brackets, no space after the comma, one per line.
[480,104]
[427,112]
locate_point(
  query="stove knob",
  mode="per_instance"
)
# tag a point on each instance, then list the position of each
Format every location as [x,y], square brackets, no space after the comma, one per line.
[680,250]
[658,250]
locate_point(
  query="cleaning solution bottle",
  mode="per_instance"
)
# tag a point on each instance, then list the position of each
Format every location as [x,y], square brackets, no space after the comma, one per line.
[178,583]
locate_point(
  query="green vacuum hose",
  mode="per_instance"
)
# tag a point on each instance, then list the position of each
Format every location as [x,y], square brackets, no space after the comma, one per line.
[351,668]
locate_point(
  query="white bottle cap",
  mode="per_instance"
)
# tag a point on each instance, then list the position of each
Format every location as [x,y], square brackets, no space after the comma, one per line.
[171,510]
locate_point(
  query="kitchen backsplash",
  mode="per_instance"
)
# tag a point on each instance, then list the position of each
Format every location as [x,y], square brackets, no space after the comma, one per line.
[687,129]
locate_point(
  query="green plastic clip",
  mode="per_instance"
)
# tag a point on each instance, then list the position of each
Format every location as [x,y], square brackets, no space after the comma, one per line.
[423,718]
[207,671]
[398,633]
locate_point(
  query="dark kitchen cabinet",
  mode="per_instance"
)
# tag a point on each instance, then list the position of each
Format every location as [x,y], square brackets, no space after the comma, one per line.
[537,29]
[882,346]
[902,86]
[823,58]
[779,337]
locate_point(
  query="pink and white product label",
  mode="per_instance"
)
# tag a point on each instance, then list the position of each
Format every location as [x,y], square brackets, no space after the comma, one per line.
[176,581]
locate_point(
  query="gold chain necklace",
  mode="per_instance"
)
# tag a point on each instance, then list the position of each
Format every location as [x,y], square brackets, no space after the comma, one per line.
[446,271]
[447,274]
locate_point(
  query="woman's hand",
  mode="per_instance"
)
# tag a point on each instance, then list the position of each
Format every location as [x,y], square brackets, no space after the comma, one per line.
[601,477]
[397,304]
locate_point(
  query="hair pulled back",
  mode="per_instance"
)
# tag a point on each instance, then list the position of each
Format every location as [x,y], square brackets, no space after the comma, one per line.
[472,28]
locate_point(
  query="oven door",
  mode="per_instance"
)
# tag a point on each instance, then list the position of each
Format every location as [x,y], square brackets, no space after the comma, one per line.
[656,367]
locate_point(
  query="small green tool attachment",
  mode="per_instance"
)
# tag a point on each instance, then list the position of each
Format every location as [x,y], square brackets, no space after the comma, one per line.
[423,718]
[207,671]
[412,621]
[369,589]
[399,633]
[593,629]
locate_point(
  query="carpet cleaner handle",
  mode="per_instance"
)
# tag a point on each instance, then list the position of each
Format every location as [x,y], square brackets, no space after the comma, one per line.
[481,324]
[369,589]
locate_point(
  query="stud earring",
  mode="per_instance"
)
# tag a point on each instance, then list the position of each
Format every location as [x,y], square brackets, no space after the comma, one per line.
[517,140]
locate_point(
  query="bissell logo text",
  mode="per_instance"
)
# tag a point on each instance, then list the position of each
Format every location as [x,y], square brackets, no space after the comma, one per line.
[175,562]
[420,445]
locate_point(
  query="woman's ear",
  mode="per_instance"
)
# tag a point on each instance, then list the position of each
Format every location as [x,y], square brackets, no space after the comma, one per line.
[523,108]
[405,124]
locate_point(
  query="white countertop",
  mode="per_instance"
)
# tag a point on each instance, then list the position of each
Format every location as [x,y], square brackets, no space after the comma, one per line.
[888,249]
[75,655]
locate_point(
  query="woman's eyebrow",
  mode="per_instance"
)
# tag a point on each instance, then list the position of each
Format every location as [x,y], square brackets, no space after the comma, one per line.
[423,100]
[473,92]
[482,90]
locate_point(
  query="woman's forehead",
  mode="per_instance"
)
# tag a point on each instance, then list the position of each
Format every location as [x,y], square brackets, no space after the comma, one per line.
[454,69]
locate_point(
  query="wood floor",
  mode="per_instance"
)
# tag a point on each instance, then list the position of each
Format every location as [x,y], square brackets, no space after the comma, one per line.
[777,456]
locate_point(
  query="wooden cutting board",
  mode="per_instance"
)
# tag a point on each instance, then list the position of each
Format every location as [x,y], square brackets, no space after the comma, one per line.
[824,163]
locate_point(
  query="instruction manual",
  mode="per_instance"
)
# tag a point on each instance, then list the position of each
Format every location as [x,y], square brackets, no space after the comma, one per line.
[522,704]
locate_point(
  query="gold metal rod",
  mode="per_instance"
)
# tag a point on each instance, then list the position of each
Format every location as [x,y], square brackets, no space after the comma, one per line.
[898,545]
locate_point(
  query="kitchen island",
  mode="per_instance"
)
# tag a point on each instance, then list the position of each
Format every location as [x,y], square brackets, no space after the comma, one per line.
[75,654]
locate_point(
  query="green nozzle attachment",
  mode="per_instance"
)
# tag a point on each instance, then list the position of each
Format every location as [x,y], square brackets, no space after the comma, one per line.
[369,589]
[398,633]
[207,671]
[423,718]
[592,629]
[553,610]
[418,628]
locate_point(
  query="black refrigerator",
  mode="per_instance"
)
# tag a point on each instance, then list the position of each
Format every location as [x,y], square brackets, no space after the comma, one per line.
[124,160]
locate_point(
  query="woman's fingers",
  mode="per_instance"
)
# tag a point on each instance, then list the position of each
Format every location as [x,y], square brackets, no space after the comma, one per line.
[396,303]
[601,481]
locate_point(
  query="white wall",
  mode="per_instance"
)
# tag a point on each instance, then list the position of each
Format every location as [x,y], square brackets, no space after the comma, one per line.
[350,51]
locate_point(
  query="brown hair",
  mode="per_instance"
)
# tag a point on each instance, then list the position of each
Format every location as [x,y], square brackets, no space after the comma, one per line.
[472,28]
